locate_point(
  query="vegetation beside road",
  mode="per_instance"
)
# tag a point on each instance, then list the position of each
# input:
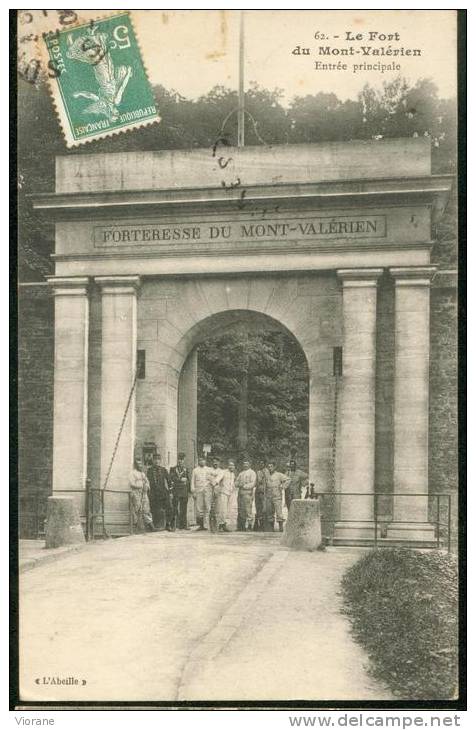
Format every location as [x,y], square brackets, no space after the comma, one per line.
[402,604]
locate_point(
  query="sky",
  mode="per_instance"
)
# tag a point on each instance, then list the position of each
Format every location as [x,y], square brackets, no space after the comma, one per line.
[193,50]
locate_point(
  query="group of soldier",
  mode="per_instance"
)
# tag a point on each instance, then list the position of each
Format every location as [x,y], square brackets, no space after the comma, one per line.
[158,495]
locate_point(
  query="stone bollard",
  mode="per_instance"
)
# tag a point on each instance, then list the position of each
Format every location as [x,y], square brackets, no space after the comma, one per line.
[63,526]
[303,526]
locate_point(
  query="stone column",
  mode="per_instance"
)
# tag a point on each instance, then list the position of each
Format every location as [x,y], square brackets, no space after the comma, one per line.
[119,346]
[412,354]
[70,409]
[187,409]
[357,438]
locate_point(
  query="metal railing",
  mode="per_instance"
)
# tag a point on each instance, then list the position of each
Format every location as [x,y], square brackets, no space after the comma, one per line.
[92,514]
[94,511]
[439,515]
[95,508]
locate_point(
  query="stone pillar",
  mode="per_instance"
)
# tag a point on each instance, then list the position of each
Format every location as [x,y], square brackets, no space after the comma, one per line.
[357,437]
[412,354]
[321,417]
[119,346]
[70,410]
[187,409]
[187,419]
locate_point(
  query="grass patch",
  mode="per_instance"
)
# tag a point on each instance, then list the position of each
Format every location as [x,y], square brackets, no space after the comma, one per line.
[403,608]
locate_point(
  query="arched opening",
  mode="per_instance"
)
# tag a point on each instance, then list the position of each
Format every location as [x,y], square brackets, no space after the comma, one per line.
[174,318]
[244,388]
[243,392]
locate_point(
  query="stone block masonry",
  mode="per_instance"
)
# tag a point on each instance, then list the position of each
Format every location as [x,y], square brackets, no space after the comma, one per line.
[35,411]
[443,412]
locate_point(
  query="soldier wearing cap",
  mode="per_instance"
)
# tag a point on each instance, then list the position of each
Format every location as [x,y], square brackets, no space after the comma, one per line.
[224,495]
[180,481]
[260,492]
[297,483]
[215,476]
[202,491]
[160,493]
[245,483]
[276,484]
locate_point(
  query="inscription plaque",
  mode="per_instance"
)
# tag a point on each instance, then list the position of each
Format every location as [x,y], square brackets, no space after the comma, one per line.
[314,228]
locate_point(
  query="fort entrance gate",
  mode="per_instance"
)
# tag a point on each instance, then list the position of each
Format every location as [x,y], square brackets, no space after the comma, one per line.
[157,250]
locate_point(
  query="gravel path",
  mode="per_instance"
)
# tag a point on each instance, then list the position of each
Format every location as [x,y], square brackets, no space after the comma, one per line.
[293,643]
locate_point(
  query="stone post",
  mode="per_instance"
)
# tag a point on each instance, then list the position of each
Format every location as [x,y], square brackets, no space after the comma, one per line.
[119,346]
[70,409]
[303,526]
[357,438]
[412,353]
[63,525]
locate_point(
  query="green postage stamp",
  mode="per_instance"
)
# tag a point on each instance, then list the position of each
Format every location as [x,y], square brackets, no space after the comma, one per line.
[98,80]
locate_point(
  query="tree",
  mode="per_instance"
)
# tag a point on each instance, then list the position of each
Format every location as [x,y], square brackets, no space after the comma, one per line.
[323,118]
[253,394]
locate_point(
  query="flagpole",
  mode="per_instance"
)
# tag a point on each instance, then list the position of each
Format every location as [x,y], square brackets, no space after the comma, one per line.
[241,84]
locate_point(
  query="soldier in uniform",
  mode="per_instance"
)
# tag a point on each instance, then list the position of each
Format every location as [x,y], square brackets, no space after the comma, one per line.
[245,483]
[160,493]
[202,490]
[215,475]
[140,488]
[180,481]
[297,483]
[276,483]
[223,496]
[260,491]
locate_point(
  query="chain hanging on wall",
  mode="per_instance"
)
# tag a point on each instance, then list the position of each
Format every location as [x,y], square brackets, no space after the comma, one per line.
[337,377]
[121,428]
[333,484]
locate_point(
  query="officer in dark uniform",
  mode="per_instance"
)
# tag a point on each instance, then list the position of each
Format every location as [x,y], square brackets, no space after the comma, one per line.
[161,497]
[180,481]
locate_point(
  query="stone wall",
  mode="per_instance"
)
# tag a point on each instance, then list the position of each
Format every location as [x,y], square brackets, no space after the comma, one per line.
[443,433]
[443,410]
[35,414]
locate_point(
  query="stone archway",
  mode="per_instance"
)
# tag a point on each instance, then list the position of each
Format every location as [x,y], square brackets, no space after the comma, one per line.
[184,314]
[150,245]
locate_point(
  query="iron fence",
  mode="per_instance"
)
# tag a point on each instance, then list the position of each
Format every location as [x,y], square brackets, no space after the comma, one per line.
[439,516]
[93,509]
[96,514]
